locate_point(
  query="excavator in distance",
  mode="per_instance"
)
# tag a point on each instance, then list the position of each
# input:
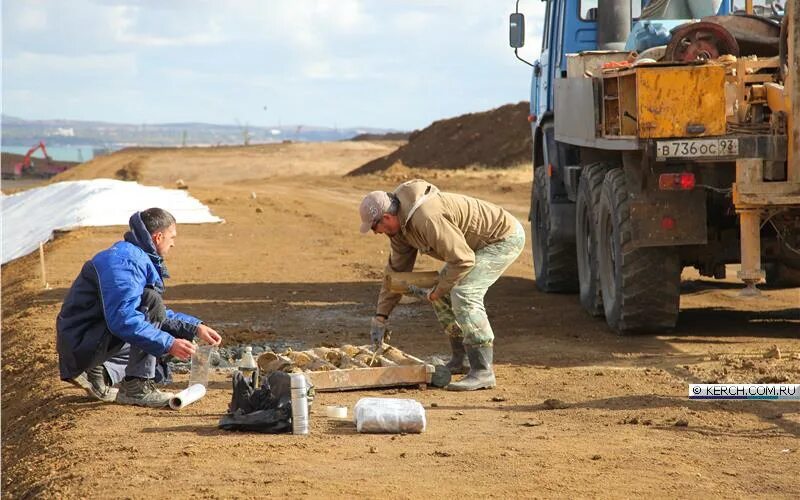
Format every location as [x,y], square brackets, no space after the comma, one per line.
[26,167]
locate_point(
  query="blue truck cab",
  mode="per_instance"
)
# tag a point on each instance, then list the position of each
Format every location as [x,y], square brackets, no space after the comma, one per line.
[570,26]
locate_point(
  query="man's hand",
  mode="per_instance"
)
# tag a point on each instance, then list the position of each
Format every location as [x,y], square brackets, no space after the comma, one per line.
[181,349]
[420,293]
[428,294]
[377,330]
[209,335]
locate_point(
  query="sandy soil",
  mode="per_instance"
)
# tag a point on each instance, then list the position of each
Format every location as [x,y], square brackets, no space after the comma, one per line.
[289,264]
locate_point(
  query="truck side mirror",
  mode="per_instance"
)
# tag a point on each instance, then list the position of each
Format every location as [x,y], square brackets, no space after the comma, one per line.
[516,31]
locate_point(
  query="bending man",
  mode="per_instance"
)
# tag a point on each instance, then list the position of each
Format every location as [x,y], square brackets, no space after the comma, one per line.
[113,324]
[476,239]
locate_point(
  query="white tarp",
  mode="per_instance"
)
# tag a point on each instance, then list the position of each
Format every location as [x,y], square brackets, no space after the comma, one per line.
[31,216]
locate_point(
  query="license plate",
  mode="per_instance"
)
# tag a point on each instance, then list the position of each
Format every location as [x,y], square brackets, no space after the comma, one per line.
[696,148]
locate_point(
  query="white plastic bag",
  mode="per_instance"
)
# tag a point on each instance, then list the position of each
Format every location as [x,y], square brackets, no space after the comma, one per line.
[389,415]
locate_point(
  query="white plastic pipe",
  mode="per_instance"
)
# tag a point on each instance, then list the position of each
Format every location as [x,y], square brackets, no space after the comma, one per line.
[187,396]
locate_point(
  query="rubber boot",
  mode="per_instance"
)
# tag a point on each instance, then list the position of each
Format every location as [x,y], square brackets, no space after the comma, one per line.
[481,375]
[458,363]
[142,392]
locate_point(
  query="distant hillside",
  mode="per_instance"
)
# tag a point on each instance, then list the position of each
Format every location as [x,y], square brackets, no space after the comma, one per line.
[390,136]
[21,132]
[499,137]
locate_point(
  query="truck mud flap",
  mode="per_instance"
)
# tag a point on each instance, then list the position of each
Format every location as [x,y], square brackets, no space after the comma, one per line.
[669,221]
[562,221]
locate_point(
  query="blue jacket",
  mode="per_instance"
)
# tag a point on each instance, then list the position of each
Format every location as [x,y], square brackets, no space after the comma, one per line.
[104,299]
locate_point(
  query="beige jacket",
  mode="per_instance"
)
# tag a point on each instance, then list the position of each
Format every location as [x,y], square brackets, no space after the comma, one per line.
[449,227]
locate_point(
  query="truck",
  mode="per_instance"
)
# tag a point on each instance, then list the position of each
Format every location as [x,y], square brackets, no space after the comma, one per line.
[665,135]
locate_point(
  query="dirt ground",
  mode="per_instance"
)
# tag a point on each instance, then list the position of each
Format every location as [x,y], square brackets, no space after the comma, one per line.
[289,265]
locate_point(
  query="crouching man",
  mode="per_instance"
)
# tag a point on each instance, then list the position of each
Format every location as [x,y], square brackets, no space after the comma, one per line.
[477,241]
[113,324]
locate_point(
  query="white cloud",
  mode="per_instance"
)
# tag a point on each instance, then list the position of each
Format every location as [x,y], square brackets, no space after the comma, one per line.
[210,38]
[309,25]
[345,16]
[164,28]
[338,69]
[413,21]
[32,19]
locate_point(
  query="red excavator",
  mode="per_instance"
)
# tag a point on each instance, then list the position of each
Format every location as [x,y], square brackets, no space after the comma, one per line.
[27,167]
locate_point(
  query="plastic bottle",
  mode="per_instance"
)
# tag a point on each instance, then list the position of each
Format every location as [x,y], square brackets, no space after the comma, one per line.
[299,387]
[249,367]
[201,361]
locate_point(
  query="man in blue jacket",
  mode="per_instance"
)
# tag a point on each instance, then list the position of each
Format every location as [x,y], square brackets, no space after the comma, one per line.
[113,324]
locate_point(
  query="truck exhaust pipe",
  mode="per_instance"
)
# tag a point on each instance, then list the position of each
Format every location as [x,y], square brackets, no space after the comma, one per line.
[613,24]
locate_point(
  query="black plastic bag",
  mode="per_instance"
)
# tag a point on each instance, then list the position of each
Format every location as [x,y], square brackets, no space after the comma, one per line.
[267,409]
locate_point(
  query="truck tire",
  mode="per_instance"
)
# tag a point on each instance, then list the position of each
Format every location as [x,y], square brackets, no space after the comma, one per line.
[641,286]
[779,275]
[587,202]
[554,261]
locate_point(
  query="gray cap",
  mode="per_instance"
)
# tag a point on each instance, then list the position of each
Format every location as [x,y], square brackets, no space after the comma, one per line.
[372,208]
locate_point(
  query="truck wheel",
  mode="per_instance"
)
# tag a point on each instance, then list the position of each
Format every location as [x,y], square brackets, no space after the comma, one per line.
[640,287]
[586,236]
[554,261]
[779,275]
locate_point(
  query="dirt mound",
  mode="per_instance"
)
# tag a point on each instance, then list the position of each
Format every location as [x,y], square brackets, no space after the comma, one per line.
[227,164]
[500,137]
[10,159]
[131,171]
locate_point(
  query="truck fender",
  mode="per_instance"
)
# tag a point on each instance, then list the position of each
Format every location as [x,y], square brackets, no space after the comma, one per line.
[537,154]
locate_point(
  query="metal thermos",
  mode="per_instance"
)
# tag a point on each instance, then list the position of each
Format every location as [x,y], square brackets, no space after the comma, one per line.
[299,388]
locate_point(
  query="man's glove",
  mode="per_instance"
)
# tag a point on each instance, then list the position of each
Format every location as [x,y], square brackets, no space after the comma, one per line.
[377,331]
[418,292]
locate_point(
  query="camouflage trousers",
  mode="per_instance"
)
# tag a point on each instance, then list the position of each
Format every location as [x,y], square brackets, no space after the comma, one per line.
[462,313]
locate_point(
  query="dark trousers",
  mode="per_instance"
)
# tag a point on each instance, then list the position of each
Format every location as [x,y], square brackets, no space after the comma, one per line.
[125,360]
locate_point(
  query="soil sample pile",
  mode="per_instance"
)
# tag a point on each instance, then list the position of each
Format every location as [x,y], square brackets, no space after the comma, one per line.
[333,358]
[497,138]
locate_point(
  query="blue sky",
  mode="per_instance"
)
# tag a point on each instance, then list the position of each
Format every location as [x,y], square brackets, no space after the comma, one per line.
[382,63]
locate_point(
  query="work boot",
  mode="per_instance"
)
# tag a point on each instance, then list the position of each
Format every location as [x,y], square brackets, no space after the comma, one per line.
[480,374]
[458,364]
[96,383]
[142,392]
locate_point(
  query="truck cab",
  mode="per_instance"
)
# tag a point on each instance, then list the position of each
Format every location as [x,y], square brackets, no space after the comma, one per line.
[570,27]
